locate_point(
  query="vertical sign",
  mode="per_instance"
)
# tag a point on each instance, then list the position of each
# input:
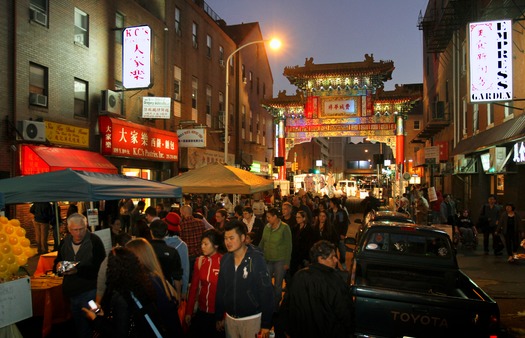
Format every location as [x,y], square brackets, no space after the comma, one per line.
[490,55]
[136,57]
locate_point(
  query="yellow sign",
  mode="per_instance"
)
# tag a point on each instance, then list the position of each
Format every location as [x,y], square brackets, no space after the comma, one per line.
[65,134]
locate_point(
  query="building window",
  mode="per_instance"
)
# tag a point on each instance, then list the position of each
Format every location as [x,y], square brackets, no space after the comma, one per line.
[221,101]
[194,37]
[221,54]
[208,46]
[231,65]
[475,118]
[194,92]
[507,111]
[243,73]
[251,81]
[257,85]
[490,114]
[176,82]
[38,85]
[264,90]
[416,125]
[243,122]
[38,11]
[81,98]
[208,100]
[177,21]
[119,23]
[81,28]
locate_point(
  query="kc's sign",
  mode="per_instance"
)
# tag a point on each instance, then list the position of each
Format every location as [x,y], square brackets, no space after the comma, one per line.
[126,139]
[136,57]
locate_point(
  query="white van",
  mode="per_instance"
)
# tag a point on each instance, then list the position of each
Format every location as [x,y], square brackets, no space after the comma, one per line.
[349,187]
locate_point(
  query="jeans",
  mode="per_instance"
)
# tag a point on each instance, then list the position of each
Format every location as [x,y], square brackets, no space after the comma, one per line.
[276,270]
[82,324]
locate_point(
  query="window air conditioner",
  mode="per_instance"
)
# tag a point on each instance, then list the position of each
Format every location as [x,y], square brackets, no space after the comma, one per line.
[111,102]
[37,99]
[38,16]
[33,131]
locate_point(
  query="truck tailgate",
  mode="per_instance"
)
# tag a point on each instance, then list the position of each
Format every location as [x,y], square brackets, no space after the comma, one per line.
[390,313]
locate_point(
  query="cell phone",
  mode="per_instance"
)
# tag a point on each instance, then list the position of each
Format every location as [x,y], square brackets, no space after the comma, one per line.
[94,306]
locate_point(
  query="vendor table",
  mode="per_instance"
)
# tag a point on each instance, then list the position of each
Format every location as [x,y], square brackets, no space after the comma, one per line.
[45,264]
[49,302]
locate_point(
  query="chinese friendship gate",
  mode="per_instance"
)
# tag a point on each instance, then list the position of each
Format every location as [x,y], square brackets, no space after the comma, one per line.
[342,100]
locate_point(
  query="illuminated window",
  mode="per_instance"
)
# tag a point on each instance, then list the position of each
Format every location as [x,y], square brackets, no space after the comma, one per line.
[177,21]
[194,37]
[194,92]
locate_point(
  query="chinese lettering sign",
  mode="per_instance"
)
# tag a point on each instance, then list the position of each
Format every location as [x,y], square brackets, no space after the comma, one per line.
[191,138]
[136,57]
[126,139]
[64,134]
[156,107]
[332,108]
[490,61]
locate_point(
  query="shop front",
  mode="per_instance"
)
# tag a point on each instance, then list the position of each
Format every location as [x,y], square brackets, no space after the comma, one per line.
[138,150]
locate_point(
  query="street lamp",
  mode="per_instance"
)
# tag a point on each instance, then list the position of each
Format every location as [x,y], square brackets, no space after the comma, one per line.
[274,44]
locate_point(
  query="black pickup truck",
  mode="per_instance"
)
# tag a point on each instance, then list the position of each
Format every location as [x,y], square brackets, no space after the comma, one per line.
[406,283]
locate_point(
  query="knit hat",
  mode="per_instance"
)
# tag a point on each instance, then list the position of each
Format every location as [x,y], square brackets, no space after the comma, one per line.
[172,219]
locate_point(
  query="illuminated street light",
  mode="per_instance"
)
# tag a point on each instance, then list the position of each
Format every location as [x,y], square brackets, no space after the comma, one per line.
[274,44]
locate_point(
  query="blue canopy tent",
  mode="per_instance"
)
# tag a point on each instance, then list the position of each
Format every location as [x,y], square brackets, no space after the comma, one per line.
[73,185]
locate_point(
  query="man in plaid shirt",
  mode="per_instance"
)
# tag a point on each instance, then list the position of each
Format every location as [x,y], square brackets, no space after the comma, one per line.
[191,233]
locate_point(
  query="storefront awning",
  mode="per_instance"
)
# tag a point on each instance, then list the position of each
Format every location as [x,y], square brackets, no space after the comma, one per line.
[504,133]
[39,159]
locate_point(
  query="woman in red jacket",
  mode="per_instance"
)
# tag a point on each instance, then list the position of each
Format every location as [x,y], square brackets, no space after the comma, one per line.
[204,286]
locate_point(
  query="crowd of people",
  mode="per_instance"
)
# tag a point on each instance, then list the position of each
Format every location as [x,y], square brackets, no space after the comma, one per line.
[213,268]
[207,269]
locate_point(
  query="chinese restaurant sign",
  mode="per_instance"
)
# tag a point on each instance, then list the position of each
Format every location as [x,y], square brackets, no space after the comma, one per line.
[156,107]
[490,58]
[136,57]
[126,139]
[68,135]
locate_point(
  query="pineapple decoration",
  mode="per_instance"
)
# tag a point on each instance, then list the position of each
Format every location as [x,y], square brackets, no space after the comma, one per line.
[15,248]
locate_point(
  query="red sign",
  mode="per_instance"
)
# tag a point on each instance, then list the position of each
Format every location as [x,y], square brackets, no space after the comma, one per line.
[126,139]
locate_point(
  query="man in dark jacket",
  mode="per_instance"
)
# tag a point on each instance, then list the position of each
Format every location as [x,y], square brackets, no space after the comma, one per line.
[340,220]
[80,283]
[318,302]
[168,256]
[245,298]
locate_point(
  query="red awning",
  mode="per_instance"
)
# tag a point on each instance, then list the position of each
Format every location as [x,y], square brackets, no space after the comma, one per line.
[39,159]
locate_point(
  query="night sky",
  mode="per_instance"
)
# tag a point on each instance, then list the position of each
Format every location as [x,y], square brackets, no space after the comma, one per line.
[334,31]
